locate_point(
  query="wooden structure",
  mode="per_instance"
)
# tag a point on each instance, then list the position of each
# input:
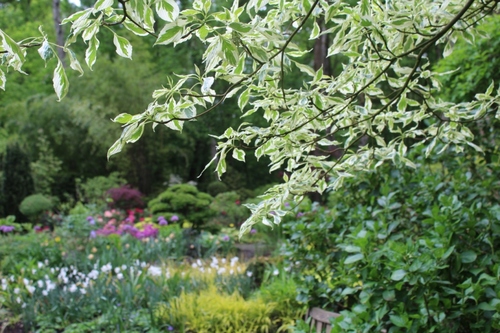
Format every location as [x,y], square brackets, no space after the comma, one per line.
[320,320]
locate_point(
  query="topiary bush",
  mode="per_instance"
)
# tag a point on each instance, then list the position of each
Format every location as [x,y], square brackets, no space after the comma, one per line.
[94,190]
[185,202]
[405,250]
[35,205]
[125,197]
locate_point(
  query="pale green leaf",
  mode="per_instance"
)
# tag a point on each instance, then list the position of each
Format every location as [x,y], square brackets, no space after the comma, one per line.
[60,81]
[102,5]
[3,79]
[354,258]
[91,52]
[398,275]
[170,33]
[123,46]
[239,154]
[167,10]
[122,118]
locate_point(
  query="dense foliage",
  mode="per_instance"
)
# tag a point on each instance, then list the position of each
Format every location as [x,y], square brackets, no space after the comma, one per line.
[415,250]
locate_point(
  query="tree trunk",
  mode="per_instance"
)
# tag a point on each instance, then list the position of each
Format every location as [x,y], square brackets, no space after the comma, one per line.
[56,12]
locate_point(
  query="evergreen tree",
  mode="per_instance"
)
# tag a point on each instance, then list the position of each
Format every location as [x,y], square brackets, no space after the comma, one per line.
[17,182]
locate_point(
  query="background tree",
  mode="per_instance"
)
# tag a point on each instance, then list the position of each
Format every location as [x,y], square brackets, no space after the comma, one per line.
[17,182]
[380,102]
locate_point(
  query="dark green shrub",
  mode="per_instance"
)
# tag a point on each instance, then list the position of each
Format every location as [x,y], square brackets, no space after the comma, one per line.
[405,250]
[17,182]
[184,201]
[216,187]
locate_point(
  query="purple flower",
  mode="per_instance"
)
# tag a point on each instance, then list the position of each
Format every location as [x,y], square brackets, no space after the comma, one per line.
[170,328]
[162,221]
[93,234]
[300,214]
[225,238]
[6,228]
[91,220]
[287,204]
[253,231]
[174,218]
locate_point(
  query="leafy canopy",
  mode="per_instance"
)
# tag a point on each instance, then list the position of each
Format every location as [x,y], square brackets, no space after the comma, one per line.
[379,103]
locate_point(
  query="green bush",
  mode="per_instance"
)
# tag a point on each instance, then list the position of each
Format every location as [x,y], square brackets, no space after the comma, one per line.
[35,205]
[186,202]
[94,190]
[229,209]
[405,250]
[216,187]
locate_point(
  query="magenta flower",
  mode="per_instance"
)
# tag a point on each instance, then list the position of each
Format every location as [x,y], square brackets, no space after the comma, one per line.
[174,218]
[253,231]
[225,238]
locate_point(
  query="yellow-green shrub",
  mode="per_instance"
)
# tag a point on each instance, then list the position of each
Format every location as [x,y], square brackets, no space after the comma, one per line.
[213,312]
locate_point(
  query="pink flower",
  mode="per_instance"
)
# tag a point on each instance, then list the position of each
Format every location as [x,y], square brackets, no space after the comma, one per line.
[174,218]
[108,214]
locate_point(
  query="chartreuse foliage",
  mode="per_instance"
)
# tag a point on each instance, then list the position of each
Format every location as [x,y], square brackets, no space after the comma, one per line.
[406,250]
[384,91]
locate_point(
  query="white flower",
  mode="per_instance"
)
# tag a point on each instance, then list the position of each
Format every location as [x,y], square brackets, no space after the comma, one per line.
[249,274]
[276,272]
[143,264]
[50,285]
[83,291]
[16,290]
[231,272]
[223,260]
[221,270]
[46,262]
[40,283]
[194,265]
[124,267]
[93,274]
[18,300]
[106,268]
[26,282]
[117,270]
[154,271]
[45,293]
[73,288]
[31,289]
[119,276]
[12,278]
[40,264]
[33,271]
[199,262]
[4,286]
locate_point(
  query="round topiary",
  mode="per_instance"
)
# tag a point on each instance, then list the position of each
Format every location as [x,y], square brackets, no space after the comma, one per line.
[35,205]
[185,201]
